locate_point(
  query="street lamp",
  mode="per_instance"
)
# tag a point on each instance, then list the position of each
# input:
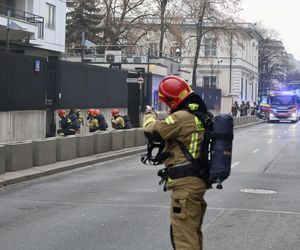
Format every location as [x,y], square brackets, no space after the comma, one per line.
[220,61]
[7,31]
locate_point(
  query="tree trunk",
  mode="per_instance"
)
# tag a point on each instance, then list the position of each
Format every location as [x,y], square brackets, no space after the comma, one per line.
[162,27]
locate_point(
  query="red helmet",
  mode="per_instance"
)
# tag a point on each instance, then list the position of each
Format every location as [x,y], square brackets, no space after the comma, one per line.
[96,112]
[90,111]
[61,112]
[173,90]
[114,112]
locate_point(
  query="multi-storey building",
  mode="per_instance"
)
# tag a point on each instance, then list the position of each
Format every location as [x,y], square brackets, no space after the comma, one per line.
[35,27]
[227,62]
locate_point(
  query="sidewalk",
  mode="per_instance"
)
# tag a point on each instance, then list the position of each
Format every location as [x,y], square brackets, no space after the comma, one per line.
[36,172]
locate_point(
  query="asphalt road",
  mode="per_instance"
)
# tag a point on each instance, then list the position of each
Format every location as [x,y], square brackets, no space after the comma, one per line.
[119,205]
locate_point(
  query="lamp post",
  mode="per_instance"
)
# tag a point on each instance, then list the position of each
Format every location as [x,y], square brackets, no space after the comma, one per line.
[7,31]
[82,45]
[219,61]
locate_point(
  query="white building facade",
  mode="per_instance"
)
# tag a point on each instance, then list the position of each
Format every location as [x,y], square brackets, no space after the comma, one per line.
[38,24]
[229,63]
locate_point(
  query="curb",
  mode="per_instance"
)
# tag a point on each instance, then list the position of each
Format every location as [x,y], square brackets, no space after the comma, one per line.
[9,178]
[248,124]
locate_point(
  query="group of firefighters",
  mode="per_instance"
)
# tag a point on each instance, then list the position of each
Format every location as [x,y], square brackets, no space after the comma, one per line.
[71,123]
[244,109]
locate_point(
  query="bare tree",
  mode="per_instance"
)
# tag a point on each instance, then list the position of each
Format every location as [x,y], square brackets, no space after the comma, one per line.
[165,15]
[207,17]
[272,61]
[120,17]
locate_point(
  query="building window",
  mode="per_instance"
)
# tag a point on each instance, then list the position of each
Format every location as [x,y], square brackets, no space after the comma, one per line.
[210,47]
[210,82]
[153,49]
[50,16]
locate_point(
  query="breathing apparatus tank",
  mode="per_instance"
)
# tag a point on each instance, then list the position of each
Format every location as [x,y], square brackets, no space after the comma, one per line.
[221,149]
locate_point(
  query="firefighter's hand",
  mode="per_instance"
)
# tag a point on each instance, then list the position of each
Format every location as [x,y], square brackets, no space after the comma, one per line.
[148,109]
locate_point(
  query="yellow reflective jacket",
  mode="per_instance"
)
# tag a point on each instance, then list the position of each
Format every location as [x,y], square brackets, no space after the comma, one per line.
[118,122]
[182,126]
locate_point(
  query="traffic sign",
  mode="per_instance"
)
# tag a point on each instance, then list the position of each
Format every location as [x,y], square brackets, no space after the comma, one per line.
[140,80]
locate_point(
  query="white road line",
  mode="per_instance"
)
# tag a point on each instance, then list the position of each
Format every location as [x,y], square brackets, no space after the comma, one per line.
[255,150]
[255,210]
[213,219]
[269,141]
[233,165]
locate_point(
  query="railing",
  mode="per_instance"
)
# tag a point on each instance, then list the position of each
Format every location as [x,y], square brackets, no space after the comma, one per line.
[127,52]
[24,16]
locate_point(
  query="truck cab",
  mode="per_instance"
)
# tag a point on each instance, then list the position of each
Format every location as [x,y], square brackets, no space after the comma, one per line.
[283,107]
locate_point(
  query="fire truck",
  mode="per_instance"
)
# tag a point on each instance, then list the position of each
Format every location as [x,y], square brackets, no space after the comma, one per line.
[280,106]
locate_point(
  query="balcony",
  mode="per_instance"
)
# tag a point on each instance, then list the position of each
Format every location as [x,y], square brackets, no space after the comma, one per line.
[23,24]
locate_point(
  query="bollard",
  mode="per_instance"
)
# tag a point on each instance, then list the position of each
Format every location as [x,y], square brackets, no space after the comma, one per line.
[117,139]
[18,156]
[85,145]
[44,151]
[102,142]
[65,148]
[129,138]
[2,159]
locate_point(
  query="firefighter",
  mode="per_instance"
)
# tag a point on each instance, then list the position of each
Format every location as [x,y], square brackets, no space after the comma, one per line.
[92,121]
[65,123]
[74,119]
[79,116]
[181,177]
[102,124]
[117,121]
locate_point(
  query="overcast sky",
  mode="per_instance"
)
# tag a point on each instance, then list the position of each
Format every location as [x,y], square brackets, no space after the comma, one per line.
[280,15]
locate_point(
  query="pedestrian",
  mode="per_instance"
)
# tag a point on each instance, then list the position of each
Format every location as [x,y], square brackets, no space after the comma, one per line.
[181,129]
[247,107]
[117,121]
[65,124]
[254,108]
[235,108]
[242,109]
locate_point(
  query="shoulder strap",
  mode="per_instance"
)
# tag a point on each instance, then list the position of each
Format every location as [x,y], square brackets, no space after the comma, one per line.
[184,150]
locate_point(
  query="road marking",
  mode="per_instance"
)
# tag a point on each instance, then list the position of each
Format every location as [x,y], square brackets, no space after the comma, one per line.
[235,164]
[294,125]
[256,150]
[270,141]
[143,205]
[213,219]
[255,210]
[285,132]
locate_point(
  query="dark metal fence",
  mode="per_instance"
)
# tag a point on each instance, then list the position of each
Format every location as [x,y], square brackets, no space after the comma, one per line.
[211,97]
[31,83]
[22,82]
[85,86]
